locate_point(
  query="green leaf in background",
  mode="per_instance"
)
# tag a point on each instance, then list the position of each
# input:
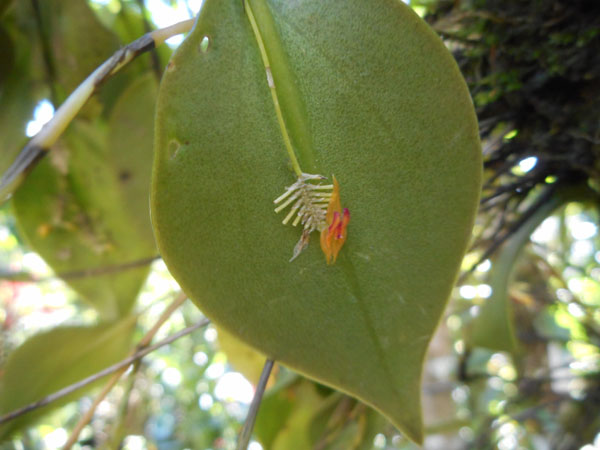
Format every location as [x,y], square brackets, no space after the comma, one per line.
[130,140]
[86,206]
[54,47]
[294,433]
[367,92]
[336,422]
[7,55]
[276,407]
[493,328]
[128,24]
[301,416]
[4,4]
[349,425]
[54,359]
[241,356]
[78,42]
[18,92]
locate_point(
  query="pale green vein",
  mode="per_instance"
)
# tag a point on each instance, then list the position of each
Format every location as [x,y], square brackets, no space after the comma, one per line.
[286,99]
[273,89]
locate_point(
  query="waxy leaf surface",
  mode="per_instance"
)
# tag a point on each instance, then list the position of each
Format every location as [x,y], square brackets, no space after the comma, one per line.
[367,92]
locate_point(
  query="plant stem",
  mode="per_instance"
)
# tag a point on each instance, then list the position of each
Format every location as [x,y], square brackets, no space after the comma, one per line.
[95,377]
[78,274]
[39,145]
[115,378]
[155,61]
[271,83]
[246,433]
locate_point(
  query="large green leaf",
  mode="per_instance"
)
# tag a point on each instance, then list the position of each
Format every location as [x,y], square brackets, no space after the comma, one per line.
[51,360]
[86,205]
[368,93]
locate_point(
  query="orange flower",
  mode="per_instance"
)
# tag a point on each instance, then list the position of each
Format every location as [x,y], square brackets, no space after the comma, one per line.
[334,234]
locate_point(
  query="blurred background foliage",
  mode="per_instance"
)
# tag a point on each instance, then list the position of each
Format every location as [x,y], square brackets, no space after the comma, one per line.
[515,363]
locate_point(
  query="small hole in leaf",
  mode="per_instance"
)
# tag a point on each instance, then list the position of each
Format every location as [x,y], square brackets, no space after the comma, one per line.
[204,44]
[173,148]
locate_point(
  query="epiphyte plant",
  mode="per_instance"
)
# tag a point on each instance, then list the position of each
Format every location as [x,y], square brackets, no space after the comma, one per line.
[308,203]
[362,90]
[309,200]
[317,207]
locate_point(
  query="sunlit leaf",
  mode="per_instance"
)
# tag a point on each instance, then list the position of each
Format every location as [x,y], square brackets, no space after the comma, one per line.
[241,356]
[299,416]
[54,359]
[86,206]
[494,326]
[367,93]
[341,423]
[275,409]
[294,433]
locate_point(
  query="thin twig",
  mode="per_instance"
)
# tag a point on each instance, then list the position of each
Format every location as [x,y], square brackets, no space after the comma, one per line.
[92,378]
[39,145]
[189,10]
[246,433]
[115,378]
[528,181]
[169,310]
[119,431]
[506,164]
[514,227]
[77,274]
[90,412]
[124,363]
[155,61]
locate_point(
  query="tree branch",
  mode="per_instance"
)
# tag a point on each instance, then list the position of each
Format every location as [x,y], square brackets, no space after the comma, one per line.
[122,365]
[115,378]
[77,274]
[155,62]
[111,369]
[513,227]
[39,145]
